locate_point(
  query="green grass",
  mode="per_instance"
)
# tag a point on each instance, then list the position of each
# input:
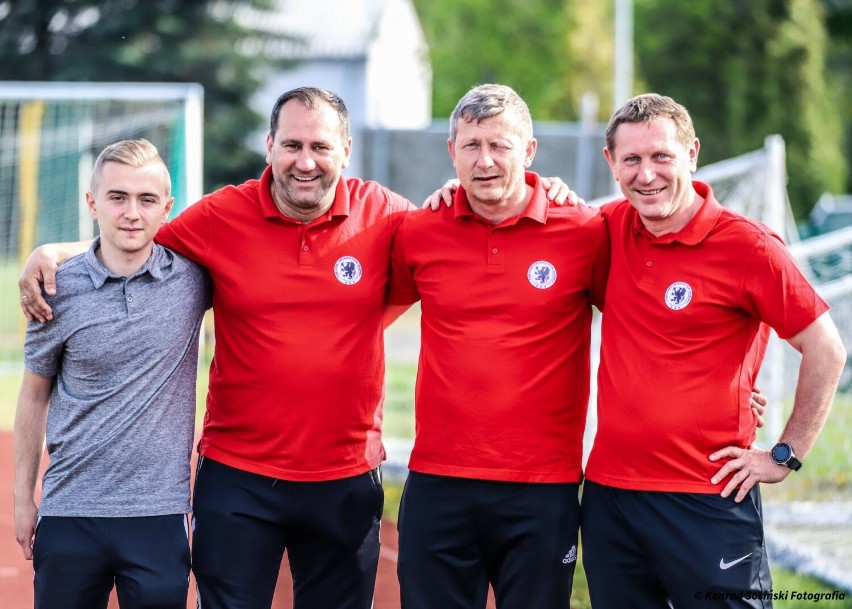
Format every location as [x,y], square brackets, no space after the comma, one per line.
[827,470]
[12,321]
[785,581]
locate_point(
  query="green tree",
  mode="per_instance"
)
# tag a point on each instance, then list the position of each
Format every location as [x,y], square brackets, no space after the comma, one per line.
[147,41]
[839,23]
[520,43]
[746,70]
[590,54]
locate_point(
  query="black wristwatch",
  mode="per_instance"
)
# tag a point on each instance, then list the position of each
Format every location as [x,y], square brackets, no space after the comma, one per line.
[782,454]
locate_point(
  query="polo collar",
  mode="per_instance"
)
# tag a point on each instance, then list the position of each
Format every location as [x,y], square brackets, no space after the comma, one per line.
[535,210]
[697,229]
[155,265]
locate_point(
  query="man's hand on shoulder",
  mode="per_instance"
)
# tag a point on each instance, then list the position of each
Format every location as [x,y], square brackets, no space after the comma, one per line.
[443,195]
[557,192]
[40,269]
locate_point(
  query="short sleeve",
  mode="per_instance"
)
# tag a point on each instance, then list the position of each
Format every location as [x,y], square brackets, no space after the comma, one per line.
[776,291]
[43,348]
[188,234]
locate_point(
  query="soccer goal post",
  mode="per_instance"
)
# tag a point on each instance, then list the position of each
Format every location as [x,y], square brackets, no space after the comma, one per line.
[50,136]
[52,132]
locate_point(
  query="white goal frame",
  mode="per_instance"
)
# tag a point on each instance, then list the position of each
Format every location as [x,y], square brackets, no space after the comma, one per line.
[189,96]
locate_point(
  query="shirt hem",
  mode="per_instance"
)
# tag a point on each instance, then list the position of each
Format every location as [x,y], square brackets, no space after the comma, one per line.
[660,486]
[101,513]
[497,475]
[270,471]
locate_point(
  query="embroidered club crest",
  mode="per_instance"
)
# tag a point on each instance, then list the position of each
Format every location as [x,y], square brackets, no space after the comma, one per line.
[348,270]
[678,295]
[541,274]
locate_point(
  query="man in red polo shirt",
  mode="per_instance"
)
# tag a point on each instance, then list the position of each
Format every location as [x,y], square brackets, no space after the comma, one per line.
[506,286]
[671,506]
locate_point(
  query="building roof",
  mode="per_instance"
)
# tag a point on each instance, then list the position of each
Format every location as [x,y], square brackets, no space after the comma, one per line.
[316,29]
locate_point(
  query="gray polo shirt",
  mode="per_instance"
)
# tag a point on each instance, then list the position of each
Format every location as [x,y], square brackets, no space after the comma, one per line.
[124,351]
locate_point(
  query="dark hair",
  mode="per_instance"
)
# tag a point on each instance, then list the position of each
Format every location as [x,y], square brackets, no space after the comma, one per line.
[309,97]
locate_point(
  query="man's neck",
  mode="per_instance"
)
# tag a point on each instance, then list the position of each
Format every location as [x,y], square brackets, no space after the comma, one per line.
[302,215]
[499,212]
[123,264]
[675,223]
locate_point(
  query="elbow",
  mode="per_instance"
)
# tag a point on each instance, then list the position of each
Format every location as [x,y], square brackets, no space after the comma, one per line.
[835,355]
[840,354]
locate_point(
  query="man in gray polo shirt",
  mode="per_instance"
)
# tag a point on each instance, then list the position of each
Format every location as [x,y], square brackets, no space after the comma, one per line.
[111,383]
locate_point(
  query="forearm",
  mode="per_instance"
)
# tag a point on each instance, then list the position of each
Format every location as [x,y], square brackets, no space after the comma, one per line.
[29,432]
[823,358]
[30,421]
[61,252]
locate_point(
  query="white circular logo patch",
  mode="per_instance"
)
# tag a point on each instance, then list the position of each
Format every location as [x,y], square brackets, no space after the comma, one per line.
[541,274]
[348,270]
[678,295]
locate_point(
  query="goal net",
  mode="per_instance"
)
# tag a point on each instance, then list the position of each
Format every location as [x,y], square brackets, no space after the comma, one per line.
[50,136]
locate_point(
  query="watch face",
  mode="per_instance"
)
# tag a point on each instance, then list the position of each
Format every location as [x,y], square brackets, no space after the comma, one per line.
[781,453]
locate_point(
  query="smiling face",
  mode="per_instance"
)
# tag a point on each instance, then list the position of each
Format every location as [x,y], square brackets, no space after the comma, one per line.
[307,152]
[654,167]
[130,204]
[490,157]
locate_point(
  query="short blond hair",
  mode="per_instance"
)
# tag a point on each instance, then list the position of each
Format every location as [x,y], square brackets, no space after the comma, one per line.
[135,153]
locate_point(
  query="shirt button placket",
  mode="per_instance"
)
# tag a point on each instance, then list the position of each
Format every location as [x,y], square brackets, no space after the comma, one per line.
[306,254]
[495,252]
[128,296]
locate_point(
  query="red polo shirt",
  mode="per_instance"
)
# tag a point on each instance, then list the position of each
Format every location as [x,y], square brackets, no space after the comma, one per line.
[503,380]
[296,382]
[683,338]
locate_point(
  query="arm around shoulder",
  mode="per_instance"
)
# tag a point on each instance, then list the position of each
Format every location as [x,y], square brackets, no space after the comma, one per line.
[40,269]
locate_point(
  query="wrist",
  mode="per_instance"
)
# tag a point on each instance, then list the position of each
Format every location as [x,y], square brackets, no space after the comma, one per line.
[783,454]
[23,494]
